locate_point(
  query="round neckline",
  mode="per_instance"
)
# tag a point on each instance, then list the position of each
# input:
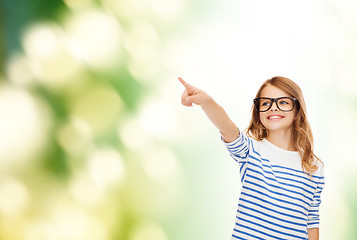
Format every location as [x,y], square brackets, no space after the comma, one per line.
[266,141]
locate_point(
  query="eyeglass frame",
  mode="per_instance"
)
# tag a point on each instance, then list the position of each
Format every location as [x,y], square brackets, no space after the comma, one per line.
[272,100]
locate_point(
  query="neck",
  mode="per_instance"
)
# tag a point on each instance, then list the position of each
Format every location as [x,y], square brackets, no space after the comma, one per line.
[282,139]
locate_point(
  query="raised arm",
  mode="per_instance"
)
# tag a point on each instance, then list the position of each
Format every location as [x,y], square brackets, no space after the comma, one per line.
[214,112]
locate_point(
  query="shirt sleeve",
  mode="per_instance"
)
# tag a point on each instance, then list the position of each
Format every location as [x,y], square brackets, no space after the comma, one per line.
[239,148]
[313,220]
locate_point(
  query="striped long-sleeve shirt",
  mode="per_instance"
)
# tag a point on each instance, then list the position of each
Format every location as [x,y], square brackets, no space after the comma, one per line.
[278,200]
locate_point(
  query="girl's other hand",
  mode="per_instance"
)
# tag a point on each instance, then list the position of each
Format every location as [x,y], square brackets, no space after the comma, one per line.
[193,95]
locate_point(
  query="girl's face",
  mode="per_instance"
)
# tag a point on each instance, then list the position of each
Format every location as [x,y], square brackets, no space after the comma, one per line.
[274,119]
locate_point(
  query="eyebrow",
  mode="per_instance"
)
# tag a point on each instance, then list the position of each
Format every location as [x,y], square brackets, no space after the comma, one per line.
[274,97]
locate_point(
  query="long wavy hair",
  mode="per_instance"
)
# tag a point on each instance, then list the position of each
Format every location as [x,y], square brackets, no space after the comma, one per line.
[301,133]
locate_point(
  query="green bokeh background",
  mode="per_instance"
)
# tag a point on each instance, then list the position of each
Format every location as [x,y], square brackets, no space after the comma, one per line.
[94,143]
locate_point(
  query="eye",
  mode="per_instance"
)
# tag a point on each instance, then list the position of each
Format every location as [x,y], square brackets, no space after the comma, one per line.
[284,102]
[265,103]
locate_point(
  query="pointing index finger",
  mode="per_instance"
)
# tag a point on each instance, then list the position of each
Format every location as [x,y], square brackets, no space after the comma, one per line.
[187,86]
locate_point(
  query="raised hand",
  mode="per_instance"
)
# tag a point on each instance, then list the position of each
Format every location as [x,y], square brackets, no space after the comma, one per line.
[193,95]
[214,112]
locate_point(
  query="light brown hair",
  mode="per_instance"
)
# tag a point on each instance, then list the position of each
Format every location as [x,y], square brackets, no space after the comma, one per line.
[301,133]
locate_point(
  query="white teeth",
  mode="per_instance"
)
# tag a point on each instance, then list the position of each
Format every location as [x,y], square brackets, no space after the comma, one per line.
[275,117]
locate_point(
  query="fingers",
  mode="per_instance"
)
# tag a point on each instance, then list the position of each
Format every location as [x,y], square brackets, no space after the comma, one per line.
[184,94]
[191,96]
[184,99]
[187,86]
[190,100]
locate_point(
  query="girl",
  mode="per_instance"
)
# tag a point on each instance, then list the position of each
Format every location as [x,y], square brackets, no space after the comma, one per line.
[281,177]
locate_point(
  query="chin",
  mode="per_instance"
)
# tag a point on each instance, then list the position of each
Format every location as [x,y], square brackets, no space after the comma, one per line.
[273,127]
[280,128]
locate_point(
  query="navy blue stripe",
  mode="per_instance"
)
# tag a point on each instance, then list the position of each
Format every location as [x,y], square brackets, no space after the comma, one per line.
[271,229]
[312,223]
[272,210]
[241,167]
[248,234]
[267,160]
[283,178]
[241,157]
[243,174]
[258,231]
[244,151]
[287,184]
[249,141]
[231,143]
[272,223]
[260,159]
[264,165]
[236,151]
[232,147]
[271,216]
[263,159]
[239,139]
[309,198]
[273,171]
[305,177]
[277,193]
[238,237]
[276,205]
[236,156]
[289,179]
[299,171]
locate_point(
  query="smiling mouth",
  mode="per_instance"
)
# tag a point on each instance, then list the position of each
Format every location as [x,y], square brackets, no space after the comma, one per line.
[275,117]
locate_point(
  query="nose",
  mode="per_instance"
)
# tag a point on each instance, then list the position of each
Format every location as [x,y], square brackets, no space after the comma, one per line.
[274,107]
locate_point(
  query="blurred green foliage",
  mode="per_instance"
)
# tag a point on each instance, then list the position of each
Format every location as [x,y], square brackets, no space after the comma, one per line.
[80,174]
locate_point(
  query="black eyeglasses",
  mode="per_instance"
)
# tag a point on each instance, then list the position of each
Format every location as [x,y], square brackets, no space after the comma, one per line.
[285,104]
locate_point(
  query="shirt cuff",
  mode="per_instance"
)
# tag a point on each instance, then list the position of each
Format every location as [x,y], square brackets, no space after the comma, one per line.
[229,144]
[313,225]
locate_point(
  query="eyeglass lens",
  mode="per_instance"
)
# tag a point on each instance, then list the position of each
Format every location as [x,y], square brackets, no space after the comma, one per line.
[284,104]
